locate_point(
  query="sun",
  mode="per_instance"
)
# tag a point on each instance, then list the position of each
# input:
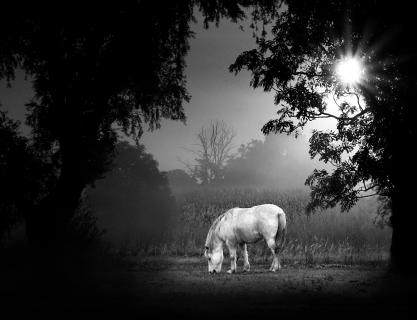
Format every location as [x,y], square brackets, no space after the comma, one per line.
[350,71]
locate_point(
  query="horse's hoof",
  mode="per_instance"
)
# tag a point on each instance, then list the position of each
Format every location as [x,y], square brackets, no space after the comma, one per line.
[231,271]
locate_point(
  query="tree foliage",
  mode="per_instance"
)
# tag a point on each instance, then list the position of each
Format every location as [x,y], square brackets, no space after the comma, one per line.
[24,176]
[97,69]
[96,66]
[374,119]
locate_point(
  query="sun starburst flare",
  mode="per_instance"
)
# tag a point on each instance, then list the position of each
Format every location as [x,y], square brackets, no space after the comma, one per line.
[350,71]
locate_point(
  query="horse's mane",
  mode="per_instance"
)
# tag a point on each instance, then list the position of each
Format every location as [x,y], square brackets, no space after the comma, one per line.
[213,227]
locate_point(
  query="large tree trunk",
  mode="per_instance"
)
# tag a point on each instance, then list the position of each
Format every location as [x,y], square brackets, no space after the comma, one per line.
[52,258]
[48,224]
[403,170]
[404,231]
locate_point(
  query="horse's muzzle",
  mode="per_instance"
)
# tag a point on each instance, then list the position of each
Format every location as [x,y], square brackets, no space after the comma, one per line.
[212,271]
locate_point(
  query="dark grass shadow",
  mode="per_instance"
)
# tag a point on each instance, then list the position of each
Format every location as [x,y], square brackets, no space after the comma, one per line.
[173,287]
[184,288]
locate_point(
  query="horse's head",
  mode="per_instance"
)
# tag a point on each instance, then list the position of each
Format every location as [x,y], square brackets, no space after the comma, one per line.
[215,259]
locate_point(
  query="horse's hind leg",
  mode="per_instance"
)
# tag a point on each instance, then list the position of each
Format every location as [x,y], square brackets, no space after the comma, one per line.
[246,265]
[275,251]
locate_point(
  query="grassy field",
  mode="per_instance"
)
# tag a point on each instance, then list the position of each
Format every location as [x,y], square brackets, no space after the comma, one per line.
[178,287]
[334,265]
[328,236]
[183,287]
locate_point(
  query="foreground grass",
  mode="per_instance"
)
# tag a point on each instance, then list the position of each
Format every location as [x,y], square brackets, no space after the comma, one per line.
[170,287]
[183,286]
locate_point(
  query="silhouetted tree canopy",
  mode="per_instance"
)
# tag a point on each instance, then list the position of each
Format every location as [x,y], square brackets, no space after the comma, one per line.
[370,146]
[280,162]
[97,68]
[24,178]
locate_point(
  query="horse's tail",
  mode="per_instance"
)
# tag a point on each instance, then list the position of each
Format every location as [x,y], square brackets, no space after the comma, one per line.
[282,231]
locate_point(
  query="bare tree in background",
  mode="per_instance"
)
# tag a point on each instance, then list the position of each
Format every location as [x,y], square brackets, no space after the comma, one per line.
[213,148]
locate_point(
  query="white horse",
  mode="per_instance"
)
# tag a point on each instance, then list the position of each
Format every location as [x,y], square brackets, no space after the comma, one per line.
[240,226]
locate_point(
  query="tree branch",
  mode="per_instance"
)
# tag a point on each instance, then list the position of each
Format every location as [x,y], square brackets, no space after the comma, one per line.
[322,115]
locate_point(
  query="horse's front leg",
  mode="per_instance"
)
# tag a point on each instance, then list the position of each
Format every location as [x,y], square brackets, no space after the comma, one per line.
[233,258]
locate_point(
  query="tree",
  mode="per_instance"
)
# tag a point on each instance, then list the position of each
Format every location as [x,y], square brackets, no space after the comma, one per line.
[134,202]
[375,119]
[213,149]
[96,67]
[24,177]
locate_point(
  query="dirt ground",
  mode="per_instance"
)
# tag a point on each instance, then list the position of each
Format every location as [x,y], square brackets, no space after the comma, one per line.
[182,287]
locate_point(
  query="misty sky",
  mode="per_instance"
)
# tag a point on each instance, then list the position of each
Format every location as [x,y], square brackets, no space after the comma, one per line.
[216,94]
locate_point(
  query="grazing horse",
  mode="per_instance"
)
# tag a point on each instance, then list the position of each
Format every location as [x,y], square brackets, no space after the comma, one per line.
[240,226]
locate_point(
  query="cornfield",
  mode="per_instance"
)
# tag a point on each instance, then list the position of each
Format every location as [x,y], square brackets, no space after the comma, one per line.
[325,237]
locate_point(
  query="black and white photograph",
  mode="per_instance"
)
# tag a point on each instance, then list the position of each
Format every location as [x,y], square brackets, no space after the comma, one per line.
[208,159]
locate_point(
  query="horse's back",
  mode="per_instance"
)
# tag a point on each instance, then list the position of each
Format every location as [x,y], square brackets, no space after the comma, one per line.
[250,224]
[268,209]
[256,213]
[268,215]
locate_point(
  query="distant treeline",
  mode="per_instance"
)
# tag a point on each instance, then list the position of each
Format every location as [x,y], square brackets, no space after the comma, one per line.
[279,161]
